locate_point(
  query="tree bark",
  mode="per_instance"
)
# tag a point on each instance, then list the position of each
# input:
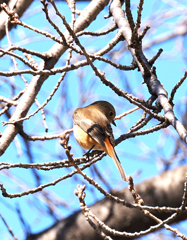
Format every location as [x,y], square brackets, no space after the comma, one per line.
[164,190]
[20,7]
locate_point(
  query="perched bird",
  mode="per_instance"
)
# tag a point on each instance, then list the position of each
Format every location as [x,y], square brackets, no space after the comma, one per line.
[92,129]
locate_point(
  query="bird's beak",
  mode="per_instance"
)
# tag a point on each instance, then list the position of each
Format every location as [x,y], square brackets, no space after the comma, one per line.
[113,123]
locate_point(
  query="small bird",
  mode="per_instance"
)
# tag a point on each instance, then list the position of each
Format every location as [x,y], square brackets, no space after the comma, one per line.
[92,130]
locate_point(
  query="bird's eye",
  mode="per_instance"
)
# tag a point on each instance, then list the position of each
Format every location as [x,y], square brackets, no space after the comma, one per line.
[111,113]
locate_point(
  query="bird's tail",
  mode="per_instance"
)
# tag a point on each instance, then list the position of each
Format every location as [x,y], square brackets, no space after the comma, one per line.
[111,152]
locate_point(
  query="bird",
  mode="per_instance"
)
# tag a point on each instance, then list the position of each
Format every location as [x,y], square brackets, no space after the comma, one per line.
[92,130]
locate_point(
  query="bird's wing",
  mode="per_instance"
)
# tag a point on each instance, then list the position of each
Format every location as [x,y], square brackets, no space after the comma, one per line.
[109,133]
[94,130]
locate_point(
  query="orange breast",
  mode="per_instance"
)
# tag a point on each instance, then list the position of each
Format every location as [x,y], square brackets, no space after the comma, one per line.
[84,140]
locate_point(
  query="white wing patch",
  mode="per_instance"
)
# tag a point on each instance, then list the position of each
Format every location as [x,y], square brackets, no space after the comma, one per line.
[87,121]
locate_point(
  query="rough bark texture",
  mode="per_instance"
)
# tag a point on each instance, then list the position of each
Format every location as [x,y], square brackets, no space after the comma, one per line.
[163,190]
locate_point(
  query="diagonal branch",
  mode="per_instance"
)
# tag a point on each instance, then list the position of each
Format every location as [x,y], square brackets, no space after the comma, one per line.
[150,78]
[86,17]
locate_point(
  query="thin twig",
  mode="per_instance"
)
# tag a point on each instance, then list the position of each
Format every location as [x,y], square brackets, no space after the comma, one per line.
[10,231]
[142,34]
[104,32]
[140,201]
[126,113]
[174,90]
[152,61]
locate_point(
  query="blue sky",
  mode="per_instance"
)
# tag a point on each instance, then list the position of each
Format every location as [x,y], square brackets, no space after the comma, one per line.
[140,154]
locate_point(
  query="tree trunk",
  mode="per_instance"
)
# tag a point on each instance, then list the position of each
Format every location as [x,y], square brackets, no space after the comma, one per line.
[164,190]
